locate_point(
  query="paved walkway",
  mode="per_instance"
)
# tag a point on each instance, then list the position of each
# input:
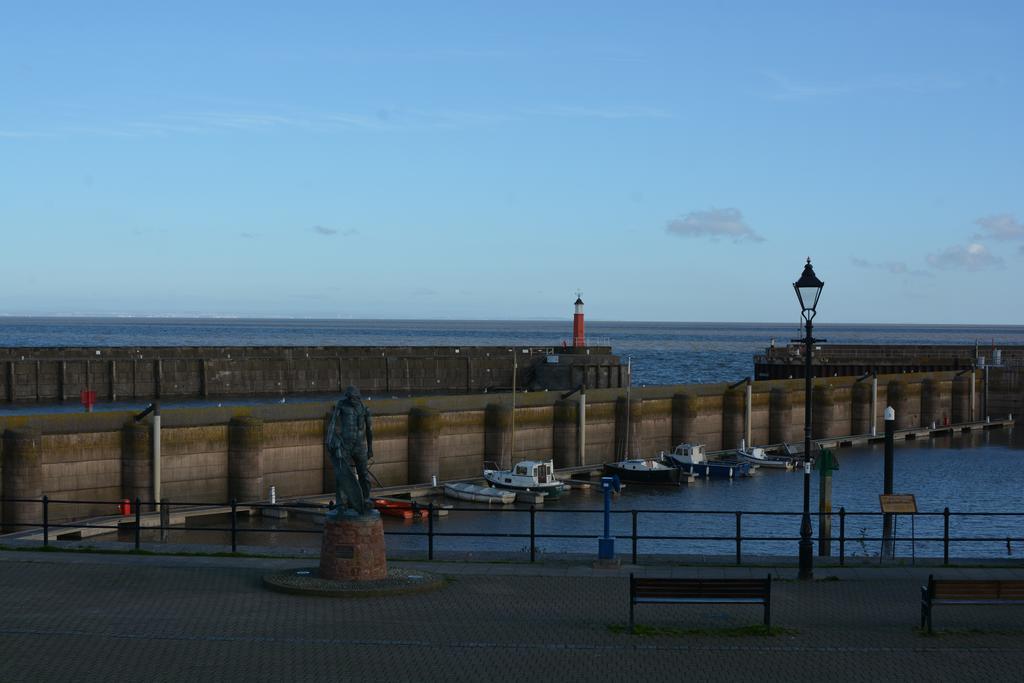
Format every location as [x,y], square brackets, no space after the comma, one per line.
[86,617]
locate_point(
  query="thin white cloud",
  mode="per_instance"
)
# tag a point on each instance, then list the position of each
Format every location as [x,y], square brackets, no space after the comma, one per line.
[248,235]
[607,113]
[786,88]
[716,223]
[1001,226]
[344,232]
[973,257]
[893,267]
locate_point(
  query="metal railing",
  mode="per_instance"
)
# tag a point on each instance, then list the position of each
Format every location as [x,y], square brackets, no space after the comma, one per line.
[431,534]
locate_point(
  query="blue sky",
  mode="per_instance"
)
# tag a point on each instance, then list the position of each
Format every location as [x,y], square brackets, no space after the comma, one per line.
[674,161]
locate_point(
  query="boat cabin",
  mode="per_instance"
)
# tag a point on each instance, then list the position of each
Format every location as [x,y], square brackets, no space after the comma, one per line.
[690,454]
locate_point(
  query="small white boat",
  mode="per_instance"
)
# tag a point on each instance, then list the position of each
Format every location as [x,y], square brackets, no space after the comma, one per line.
[528,475]
[691,458]
[755,455]
[479,494]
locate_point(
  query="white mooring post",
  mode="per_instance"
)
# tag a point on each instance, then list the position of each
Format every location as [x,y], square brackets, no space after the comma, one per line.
[156,452]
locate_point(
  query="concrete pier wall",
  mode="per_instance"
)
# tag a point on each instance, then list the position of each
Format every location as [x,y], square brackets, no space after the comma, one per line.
[211,454]
[134,373]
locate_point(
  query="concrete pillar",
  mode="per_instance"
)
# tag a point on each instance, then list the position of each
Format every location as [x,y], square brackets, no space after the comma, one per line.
[685,408]
[960,410]
[564,444]
[136,461]
[861,403]
[628,436]
[780,416]
[733,401]
[931,410]
[497,434]
[12,388]
[22,478]
[424,445]
[823,412]
[900,398]
[245,459]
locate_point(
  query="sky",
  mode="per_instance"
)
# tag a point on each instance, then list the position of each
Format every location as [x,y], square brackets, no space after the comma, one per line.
[672,161]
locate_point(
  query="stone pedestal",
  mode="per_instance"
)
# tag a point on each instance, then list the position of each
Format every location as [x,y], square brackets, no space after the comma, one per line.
[353,549]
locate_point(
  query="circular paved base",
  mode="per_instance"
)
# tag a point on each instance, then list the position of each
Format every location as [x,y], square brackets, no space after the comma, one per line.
[308,582]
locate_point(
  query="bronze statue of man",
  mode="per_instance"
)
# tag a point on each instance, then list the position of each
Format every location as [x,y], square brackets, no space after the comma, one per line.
[349,442]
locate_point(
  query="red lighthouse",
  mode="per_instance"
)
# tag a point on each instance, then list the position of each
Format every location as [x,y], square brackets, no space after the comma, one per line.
[579,338]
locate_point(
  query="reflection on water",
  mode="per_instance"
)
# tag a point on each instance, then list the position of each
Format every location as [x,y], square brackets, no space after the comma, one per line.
[974,472]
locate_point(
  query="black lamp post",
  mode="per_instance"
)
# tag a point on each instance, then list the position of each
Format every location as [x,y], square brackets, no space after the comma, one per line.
[808,289]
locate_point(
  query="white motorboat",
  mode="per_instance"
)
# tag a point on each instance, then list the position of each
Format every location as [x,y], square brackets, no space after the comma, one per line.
[527,475]
[755,455]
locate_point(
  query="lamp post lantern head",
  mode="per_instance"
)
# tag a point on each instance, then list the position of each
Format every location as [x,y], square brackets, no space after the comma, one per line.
[808,289]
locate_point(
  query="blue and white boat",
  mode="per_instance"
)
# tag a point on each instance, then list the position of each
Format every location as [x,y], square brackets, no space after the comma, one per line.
[691,458]
[755,455]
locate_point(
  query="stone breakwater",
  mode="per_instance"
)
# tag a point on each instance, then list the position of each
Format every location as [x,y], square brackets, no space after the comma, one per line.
[149,373]
[215,454]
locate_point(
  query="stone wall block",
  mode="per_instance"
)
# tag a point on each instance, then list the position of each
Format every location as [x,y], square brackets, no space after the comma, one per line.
[685,408]
[629,417]
[564,436]
[733,407]
[861,407]
[245,459]
[22,478]
[137,461]
[424,444]
[961,401]
[780,416]
[823,412]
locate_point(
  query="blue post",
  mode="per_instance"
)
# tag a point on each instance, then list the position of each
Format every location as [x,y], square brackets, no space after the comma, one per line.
[606,544]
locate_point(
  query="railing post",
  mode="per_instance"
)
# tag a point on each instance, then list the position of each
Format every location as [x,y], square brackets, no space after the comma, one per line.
[138,522]
[533,529]
[430,532]
[46,521]
[842,536]
[634,536]
[234,525]
[945,536]
[739,537]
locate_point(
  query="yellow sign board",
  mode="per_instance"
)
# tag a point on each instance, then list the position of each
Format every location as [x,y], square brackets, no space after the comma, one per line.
[898,503]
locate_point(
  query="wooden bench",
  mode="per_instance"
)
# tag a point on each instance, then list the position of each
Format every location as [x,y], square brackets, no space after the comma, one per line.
[701,592]
[968,592]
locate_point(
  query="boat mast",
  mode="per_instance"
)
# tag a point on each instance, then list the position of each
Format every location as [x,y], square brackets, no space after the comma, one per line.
[512,431]
[629,385]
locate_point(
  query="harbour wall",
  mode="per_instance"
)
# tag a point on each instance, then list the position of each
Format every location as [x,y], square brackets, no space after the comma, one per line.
[214,454]
[42,374]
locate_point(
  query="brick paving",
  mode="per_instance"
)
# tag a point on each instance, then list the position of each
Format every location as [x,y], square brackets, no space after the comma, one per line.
[81,617]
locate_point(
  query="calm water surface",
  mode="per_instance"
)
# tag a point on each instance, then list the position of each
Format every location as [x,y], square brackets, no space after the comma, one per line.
[977,472]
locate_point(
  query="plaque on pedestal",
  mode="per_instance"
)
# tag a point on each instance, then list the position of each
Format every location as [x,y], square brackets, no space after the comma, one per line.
[353,548]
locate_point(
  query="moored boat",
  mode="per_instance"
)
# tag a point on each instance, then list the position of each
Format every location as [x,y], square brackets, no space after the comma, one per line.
[479,494]
[644,471]
[528,475]
[403,509]
[755,455]
[691,458]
